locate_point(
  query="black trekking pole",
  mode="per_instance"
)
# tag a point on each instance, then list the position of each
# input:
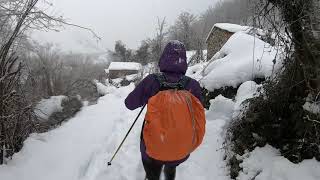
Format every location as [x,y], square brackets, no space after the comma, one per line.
[109,163]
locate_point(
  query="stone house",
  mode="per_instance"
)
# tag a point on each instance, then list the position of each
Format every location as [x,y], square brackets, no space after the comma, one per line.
[219,35]
[123,69]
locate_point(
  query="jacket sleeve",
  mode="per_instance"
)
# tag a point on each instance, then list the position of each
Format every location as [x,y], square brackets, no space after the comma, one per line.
[196,90]
[141,94]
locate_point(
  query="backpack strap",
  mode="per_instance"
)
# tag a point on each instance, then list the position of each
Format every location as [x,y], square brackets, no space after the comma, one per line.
[161,78]
[184,81]
[164,85]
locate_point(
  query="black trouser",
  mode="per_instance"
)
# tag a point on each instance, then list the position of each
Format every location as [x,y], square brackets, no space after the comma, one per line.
[153,170]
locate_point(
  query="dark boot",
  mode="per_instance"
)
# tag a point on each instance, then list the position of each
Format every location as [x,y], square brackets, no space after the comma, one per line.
[153,169]
[170,172]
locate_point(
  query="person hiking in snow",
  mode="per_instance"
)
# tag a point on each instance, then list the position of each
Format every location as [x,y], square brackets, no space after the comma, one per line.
[175,122]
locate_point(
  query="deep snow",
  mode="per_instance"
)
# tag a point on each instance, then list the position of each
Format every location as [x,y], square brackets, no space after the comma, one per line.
[267,164]
[46,107]
[81,147]
[125,66]
[243,58]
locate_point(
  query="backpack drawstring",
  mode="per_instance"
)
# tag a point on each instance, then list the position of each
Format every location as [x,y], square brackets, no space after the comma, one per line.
[188,100]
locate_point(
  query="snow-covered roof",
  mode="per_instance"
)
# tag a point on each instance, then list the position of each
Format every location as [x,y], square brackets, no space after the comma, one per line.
[236,63]
[125,66]
[233,28]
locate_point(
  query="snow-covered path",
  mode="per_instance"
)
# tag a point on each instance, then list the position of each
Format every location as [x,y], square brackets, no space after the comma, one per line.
[81,148]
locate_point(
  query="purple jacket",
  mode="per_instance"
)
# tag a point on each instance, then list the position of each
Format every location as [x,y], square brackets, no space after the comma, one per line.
[173,63]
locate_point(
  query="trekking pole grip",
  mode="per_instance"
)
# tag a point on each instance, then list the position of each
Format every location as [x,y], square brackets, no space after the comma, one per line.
[110,162]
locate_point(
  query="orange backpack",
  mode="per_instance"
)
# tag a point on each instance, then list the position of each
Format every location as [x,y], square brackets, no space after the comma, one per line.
[175,121]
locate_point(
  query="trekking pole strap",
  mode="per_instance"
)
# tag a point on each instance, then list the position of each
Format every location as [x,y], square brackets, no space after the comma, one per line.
[109,163]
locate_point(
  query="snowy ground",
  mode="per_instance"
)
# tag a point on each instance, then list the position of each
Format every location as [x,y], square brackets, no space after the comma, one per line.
[81,148]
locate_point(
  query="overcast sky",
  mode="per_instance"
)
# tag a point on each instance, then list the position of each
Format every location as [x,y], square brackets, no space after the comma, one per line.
[128,20]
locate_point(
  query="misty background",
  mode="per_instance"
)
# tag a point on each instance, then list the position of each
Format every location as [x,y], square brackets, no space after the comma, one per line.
[128,20]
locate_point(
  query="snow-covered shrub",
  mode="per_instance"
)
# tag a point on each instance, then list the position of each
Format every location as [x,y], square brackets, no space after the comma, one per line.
[104,89]
[267,163]
[126,81]
[196,57]
[272,118]
[46,107]
[56,109]
[286,114]
[228,92]
[85,88]
[70,106]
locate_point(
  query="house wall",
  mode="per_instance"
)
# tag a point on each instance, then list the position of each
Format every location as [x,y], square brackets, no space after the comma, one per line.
[216,40]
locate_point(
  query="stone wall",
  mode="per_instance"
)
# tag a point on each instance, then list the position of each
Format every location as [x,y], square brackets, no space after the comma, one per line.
[216,40]
[113,74]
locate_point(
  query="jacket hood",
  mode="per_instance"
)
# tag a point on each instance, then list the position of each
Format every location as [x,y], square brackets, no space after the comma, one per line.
[174,58]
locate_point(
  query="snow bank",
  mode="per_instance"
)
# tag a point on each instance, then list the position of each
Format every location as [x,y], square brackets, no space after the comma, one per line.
[132,77]
[46,107]
[235,63]
[190,55]
[125,66]
[267,164]
[246,91]
[311,106]
[116,82]
[105,89]
[221,108]
[195,71]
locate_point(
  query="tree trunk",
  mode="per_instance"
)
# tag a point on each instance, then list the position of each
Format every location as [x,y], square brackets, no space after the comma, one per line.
[315,29]
[315,18]
[48,84]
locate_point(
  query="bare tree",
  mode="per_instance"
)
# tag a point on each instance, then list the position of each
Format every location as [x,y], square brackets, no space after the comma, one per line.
[12,105]
[160,37]
[49,66]
[302,19]
[198,40]
[16,112]
[183,30]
